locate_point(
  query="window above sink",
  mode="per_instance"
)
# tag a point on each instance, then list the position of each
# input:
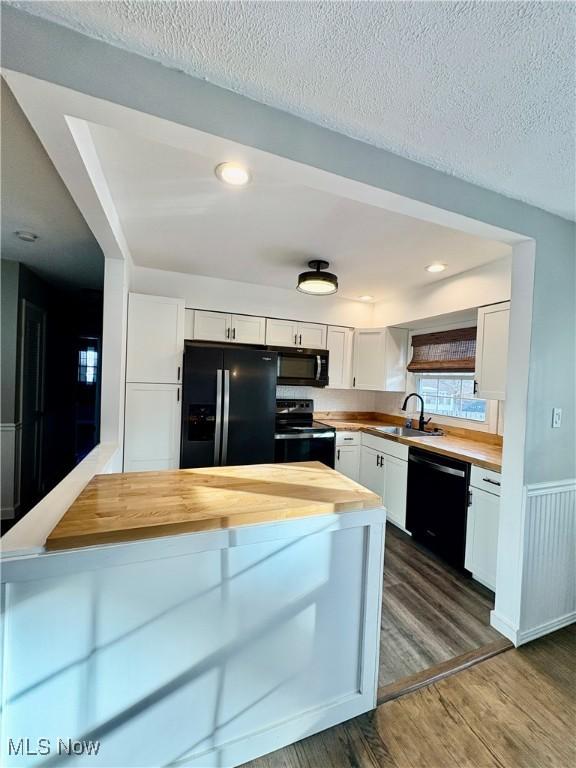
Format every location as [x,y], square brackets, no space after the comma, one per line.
[451,395]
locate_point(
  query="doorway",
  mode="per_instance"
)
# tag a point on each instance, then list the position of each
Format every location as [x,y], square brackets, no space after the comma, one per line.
[32,397]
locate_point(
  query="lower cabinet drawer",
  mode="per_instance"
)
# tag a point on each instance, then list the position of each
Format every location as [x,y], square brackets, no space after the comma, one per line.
[485,479]
[385,445]
[348,438]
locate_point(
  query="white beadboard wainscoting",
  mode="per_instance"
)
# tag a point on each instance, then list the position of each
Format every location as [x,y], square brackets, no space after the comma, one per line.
[549,563]
[11,438]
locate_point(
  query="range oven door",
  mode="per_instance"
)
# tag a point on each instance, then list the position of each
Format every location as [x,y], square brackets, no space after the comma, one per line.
[315,446]
[302,367]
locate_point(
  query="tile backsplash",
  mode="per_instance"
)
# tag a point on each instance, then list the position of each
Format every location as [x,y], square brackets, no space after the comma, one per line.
[332,399]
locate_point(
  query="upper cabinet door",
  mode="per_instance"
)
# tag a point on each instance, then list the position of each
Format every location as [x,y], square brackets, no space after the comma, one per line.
[339,345]
[311,335]
[380,359]
[155,342]
[281,333]
[212,326]
[248,330]
[492,351]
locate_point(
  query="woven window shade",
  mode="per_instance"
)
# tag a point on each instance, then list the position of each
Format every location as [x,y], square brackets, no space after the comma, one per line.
[444,352]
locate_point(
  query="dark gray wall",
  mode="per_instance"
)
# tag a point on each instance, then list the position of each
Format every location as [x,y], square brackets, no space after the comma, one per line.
[9,340]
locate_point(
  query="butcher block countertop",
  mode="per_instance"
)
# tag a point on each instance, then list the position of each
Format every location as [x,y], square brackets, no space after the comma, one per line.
[479,452]
[140,505]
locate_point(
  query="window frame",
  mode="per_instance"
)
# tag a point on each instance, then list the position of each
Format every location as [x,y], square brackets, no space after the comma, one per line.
[491,424]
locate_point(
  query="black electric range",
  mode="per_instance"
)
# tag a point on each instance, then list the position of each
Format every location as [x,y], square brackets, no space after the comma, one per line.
[298,437]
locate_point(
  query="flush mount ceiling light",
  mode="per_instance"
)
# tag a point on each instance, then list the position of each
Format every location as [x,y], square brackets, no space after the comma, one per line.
[317,282]
[437,267]
[365,298]
[27,237]
[232,173]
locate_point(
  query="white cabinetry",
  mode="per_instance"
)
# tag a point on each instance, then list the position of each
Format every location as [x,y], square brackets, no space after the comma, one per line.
[347,459]
[380,359]
[247,329]
[152,427]
[289,333]
[155,341]
[492,351]
[339,345]
[220,326]
[384,470]
[395,488]
[482,526]
[371,471]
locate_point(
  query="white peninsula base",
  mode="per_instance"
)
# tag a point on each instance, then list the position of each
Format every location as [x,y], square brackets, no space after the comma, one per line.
[203,649]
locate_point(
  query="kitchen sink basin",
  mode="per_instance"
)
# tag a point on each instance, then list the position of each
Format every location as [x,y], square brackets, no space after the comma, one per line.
[408,432]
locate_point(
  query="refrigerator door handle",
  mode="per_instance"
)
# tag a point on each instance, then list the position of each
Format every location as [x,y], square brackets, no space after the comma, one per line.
[218,422]
[225,416]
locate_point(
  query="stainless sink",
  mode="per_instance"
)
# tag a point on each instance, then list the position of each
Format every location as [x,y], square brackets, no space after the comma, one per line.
[407,432]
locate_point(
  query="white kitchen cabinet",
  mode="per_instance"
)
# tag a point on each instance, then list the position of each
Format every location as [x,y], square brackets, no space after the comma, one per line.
[247,329]
[371,470]
[281,333]
[482,526]
[380,359]
[384,470]
[290,333]
[155,342]
[340,344]
[492,351]
[312,335]
[221,326]
[347,461]
[212,326]
[152,427]
[395,489]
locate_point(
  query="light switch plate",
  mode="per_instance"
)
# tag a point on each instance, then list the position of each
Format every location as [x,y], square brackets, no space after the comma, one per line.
[556,417]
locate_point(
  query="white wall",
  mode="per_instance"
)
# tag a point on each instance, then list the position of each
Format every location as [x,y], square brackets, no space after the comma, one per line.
[332,399]
[247,298]
[487,284]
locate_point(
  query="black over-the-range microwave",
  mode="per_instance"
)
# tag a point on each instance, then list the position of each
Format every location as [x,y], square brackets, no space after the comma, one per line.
[302,367]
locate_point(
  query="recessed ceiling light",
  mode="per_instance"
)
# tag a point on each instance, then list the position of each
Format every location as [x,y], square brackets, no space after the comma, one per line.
[232,173]
[436,267]
[28,237]
[365,298]
[317,282]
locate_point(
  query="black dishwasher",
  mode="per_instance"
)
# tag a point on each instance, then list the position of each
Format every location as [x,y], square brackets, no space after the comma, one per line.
[437,503]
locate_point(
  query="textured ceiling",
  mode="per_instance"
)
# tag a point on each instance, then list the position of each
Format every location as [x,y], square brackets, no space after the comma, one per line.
[34,198]
[481,90]
[176,215]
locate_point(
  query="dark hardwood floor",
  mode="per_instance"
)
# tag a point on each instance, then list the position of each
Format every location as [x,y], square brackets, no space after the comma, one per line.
[431,613]
[516,710]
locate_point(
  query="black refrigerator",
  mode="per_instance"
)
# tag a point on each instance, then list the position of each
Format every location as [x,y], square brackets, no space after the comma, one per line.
[228,405]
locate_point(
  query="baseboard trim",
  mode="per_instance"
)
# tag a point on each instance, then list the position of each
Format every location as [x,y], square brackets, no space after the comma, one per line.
[440,671]
[505,627]
[528,635]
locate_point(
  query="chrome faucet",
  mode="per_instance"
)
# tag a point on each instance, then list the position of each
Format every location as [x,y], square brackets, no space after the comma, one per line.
[421,421]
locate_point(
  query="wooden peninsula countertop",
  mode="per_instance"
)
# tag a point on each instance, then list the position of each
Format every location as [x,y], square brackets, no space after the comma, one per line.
[139,505]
